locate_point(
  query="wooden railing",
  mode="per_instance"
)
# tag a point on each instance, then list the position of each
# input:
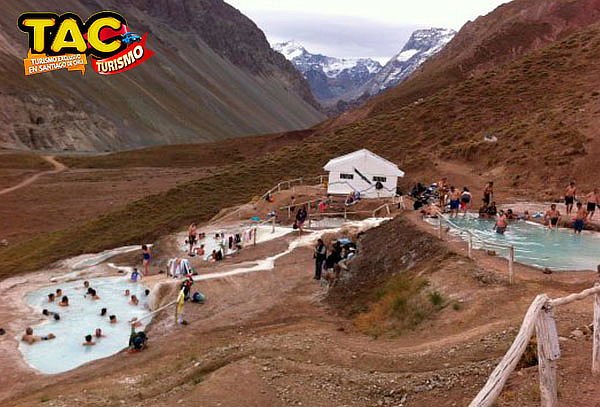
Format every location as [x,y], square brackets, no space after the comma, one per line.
[472,237]
[540,317]
[283,185]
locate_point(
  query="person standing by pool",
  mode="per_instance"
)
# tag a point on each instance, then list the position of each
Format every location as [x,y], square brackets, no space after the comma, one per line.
[301,216]
[488,192]
[145,260]
[592,202]
[501,223]
[580,218]
[551,217]
[442,190]
[192,234]
[454,201]
[320,256]
[465,200]
[570,195]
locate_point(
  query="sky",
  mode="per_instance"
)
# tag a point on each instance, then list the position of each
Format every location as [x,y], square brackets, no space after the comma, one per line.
[357,28]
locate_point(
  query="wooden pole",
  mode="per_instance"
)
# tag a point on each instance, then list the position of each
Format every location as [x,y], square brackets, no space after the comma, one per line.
[255,232]
[596,343]
[273,222]
[492,389]
[470,246]
[511,261]
[548,353]
[440,226]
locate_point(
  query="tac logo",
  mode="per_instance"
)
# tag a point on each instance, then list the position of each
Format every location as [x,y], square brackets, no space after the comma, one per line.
[65,42]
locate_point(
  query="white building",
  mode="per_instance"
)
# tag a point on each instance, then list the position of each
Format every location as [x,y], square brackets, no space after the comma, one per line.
[365,172]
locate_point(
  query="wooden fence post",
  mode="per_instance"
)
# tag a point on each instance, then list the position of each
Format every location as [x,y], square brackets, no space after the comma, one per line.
[387,207]
[273,221]
[255,233]
[440,226]
[596,343]
[548,350]
[511,261]
[492,389]
[470,246]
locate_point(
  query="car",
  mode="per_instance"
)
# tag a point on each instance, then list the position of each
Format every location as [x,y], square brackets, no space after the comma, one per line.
[130,38]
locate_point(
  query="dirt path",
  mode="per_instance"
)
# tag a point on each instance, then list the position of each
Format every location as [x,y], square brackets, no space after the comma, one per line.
[58,167]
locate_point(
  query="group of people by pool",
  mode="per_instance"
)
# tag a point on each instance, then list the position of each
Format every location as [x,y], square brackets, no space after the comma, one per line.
[91,294]
[456,200]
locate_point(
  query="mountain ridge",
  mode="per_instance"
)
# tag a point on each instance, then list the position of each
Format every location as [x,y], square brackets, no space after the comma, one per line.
[199,86]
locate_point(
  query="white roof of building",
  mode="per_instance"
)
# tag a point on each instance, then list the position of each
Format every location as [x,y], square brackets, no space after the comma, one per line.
[366,161]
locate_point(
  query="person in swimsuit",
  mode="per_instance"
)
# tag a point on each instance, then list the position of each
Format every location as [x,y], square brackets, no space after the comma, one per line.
[592,202]
[570,194]
[551,217]
[454,201]
[51,297]
[30,338]
[64,302]
[192,234]
[134,300]
[580,218]
[113,319]
[443,190]
[98,333]
[501,223]
[492,211]
[488,192]
[146,260]
[465,200]
[135,276]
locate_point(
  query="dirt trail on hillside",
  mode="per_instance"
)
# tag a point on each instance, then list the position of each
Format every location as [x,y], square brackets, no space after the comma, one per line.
[58,168]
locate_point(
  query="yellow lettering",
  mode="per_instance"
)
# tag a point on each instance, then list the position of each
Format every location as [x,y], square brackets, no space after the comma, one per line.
[69,26]
[94,34]
[39,29]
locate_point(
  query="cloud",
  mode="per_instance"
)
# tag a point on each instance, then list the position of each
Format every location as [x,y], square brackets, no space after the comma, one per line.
[345,28]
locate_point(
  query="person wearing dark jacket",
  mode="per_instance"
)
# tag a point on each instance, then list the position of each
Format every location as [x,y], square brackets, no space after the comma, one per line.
[320,255]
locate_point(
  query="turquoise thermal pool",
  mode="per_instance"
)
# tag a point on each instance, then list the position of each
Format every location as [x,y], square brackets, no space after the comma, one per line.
[536,245]
[80,318]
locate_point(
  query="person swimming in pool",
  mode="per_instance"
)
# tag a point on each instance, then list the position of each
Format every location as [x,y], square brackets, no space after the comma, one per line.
[127,293]
[501,223]
[64,302]
[30,338]
[98,333]
[103,312]
[86,284]
[93,294]
[51,297]
[49,313]
[580,217]
[113,319]
[88,341]
[134,300]
[58,292]
[551,217]
[147,292]
[135,276]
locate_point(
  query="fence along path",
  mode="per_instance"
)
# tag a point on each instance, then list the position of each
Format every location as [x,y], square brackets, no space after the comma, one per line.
[540,318]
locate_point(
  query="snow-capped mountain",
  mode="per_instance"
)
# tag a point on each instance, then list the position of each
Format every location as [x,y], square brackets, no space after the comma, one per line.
[351,81]
[330,78]
[422,45]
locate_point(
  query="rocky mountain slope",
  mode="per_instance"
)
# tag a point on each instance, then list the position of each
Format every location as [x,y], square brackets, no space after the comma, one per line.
[213,76]
[422,45]
[345,82]
[330,79]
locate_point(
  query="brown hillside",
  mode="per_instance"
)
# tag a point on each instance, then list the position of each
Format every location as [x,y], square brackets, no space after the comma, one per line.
[504,35]
[213,76]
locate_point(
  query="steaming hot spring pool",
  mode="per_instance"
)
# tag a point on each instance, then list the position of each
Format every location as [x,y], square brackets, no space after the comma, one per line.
[80,318]
[536,245]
